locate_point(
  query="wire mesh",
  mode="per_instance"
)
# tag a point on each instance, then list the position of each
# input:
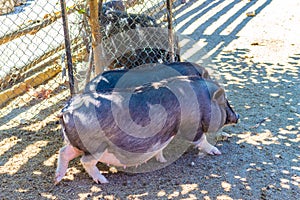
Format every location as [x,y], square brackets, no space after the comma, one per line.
[133,33]
[33,78]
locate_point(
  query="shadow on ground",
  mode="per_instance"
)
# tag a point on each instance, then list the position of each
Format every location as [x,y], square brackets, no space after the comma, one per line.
[260,160]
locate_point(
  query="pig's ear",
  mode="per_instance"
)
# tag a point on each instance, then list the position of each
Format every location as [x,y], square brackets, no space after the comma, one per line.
[219,96]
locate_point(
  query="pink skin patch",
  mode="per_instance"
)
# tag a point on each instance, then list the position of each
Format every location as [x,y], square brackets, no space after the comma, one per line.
[66,154]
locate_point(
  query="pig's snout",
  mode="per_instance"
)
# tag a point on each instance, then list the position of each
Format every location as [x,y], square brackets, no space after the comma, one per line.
[236,119]
[232,117]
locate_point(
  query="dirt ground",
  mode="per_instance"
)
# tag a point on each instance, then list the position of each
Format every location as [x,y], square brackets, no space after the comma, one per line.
[256,58]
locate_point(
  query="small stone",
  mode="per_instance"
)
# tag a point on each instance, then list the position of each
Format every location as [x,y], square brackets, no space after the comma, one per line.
[250,14]
[177,182]
[254,43]
[113,170]
[258,168]
[129,182]
[293,109]
[23,121]
[192,164]
[264,188]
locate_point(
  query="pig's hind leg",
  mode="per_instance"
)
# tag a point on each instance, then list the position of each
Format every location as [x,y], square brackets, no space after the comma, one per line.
[204,145]
[66,154]
[89,163]
[160,156]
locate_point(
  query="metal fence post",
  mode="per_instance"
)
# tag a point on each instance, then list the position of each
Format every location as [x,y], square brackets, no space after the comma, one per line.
[170,30]
[67,46]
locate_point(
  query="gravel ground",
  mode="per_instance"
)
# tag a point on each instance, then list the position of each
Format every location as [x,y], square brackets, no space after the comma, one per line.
[256,58]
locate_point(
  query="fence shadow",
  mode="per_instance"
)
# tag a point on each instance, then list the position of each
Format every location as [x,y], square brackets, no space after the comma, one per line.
[215,41]
[32,178]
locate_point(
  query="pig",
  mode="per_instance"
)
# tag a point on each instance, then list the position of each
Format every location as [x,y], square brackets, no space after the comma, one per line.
[117,25]
[127,127]
[112,5]
[114,21]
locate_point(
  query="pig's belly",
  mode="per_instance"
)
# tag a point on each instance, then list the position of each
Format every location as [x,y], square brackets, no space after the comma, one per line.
[130,159]
[127,159]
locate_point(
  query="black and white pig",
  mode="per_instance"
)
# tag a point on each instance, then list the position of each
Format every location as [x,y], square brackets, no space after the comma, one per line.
[145,41]
[114,21]
[129,126]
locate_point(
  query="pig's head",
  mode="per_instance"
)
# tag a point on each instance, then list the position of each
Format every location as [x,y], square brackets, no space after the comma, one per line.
[221,112]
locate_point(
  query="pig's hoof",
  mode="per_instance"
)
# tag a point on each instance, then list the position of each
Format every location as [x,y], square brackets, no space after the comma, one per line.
[100,179]
[58,178]
[162,160]
[89,164]
[204,146]
[209,149]
[214,151]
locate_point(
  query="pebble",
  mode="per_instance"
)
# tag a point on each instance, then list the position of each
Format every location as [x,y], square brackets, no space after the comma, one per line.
[192,164]
[128,182]
[293,109]
[250,14]
[23,121]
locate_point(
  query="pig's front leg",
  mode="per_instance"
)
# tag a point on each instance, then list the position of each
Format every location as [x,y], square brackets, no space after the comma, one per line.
[66,154]
[89,163]
[203,145]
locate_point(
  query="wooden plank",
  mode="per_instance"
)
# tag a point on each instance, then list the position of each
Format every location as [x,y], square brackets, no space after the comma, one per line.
[32,81]
[34,26]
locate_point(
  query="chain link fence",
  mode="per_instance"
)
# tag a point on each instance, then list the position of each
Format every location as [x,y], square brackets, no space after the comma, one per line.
[33,64]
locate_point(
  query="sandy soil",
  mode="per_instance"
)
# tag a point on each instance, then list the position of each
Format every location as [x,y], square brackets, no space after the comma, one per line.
[256,58]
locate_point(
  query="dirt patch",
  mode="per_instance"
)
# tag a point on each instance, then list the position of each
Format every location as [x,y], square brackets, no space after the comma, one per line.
[260,160]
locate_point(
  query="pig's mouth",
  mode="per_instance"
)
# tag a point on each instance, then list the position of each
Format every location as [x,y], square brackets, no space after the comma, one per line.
[236,119]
